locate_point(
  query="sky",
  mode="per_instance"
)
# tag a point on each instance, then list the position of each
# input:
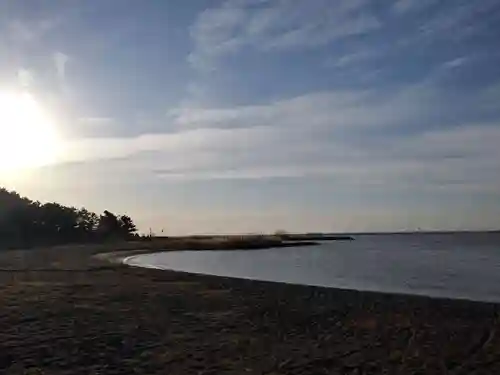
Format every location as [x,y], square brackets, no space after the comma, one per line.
[249,116]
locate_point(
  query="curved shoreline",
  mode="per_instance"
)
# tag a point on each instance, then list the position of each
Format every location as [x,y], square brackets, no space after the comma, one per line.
[128,261]
[106,317]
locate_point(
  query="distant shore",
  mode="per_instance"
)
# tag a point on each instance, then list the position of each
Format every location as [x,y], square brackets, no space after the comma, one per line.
[67,311]
[180,244]
[316,237]
[234,242]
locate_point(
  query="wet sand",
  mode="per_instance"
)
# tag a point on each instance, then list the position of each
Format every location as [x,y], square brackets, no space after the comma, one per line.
[65,312]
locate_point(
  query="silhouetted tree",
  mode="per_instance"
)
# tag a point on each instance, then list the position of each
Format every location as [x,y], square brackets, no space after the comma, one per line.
[27,223]
[87,223]
[109,226]
[127,226]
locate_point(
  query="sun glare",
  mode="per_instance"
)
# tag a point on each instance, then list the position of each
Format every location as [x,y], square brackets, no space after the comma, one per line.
[28,138]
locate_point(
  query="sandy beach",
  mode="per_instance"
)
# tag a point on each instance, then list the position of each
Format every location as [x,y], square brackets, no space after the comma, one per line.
[67,312]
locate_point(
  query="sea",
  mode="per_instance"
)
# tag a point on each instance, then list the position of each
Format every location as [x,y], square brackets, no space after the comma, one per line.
[452,265]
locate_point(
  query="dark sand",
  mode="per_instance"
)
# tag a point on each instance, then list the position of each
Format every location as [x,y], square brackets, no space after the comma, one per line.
[63,312]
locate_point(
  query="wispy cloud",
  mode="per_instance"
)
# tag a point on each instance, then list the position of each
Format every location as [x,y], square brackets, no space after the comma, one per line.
[292,25]
[21,31]
[353,58]
[60,61]
[25,78]
[271,26]
[356,137]
[455,63]
[462,159]
[97,121]
[407,6]
[424,104]
[382,44]
[458,21]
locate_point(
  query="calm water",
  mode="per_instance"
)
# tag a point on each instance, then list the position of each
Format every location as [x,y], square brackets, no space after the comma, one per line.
[446,265]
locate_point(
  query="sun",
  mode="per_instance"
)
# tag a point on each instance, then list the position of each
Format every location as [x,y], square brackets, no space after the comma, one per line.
[28,137]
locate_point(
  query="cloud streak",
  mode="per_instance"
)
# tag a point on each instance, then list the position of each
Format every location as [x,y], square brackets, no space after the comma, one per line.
[408,6]
[60,61]
[341,135]
[275,26]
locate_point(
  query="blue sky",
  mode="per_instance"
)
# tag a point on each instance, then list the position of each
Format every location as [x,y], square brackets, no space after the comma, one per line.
[257,115]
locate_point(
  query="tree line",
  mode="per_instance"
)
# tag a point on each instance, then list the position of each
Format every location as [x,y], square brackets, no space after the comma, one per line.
[25,223]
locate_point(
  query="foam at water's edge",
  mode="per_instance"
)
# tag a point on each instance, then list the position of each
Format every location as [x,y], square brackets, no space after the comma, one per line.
[129,262]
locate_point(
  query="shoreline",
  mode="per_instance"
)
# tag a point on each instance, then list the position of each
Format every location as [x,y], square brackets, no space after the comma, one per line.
[83,314]
[118,255]
[124,261]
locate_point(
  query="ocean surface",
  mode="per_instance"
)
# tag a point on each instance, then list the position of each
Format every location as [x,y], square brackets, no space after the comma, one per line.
[459,265]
